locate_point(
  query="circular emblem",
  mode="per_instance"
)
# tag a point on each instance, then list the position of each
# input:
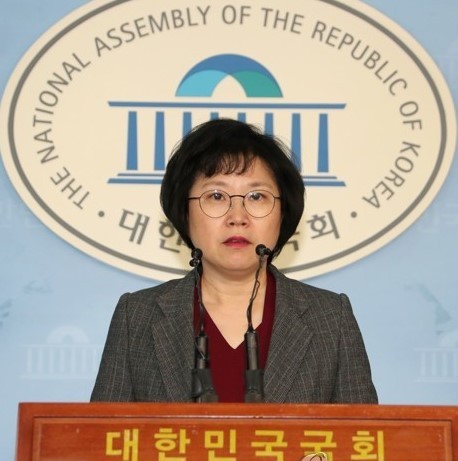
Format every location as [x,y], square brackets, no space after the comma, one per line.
[94,109]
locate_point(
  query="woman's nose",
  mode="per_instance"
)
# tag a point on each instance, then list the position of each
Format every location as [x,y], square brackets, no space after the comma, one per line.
[237,211]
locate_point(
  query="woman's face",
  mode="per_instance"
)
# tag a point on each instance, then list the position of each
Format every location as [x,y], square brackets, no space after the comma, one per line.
[228,243]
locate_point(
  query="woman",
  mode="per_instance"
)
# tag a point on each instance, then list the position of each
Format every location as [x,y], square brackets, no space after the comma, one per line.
[236,198]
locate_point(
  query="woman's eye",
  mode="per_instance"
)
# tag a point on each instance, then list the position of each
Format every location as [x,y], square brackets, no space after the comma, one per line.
[216,196]
[256,196]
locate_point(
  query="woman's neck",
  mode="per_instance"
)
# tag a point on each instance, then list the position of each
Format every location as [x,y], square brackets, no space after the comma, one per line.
[226,301]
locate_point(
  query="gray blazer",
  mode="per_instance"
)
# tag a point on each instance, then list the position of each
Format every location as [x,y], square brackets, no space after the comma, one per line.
[316,354]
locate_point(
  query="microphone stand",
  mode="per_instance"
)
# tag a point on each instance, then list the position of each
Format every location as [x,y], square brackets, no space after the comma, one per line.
[254,375]
[201,385]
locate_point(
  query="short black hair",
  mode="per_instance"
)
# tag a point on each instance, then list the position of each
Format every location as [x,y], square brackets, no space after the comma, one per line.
[225,146]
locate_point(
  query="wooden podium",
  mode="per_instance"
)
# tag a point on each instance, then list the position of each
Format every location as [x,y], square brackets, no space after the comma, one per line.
[234,432]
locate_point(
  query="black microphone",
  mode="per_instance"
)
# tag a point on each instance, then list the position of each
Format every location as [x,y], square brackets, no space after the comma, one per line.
[201,386]
[254,375]
[262,250]
[196,255]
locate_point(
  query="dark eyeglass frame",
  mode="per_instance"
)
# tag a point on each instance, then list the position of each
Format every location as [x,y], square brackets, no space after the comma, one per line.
[243,197]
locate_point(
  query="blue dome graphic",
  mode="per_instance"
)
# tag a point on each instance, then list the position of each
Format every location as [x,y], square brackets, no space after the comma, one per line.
[205,76]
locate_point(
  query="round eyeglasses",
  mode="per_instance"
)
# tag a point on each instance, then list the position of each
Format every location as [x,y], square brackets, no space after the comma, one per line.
[216,203]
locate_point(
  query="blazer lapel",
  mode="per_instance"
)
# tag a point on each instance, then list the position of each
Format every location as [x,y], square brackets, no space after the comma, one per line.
[290,340]
[174,339]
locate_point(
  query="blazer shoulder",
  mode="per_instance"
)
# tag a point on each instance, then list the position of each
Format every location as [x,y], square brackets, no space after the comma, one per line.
[305,296]
[171,295]
[153,292]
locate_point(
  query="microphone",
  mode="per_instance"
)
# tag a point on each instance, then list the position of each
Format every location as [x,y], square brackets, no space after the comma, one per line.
[201,386]
[262,250]
[254,375]
[196,255]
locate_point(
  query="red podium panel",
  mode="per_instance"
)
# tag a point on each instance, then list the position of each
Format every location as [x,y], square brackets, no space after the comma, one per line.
[234,432]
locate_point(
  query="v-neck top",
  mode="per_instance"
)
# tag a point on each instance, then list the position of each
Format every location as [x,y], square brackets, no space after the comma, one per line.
[227,364]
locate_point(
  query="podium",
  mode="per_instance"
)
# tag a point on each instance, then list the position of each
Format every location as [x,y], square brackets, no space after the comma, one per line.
[234,432]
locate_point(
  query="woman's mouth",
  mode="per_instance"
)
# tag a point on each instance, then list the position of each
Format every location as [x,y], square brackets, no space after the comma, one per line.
[236,242]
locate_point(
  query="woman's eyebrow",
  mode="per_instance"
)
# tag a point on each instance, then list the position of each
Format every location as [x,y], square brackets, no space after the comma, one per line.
[250,185]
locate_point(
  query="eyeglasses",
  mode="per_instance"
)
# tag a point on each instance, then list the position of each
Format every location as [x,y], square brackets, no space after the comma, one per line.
[216,203]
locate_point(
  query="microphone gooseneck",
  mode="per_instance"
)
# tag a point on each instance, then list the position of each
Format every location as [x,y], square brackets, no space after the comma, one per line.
[201,387]
[261,251]
[254,375]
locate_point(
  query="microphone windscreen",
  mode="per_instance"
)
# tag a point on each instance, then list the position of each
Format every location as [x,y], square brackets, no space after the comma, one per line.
[196,253]
[262,250]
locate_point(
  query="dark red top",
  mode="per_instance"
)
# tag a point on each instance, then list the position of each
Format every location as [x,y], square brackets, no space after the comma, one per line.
[228,365]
